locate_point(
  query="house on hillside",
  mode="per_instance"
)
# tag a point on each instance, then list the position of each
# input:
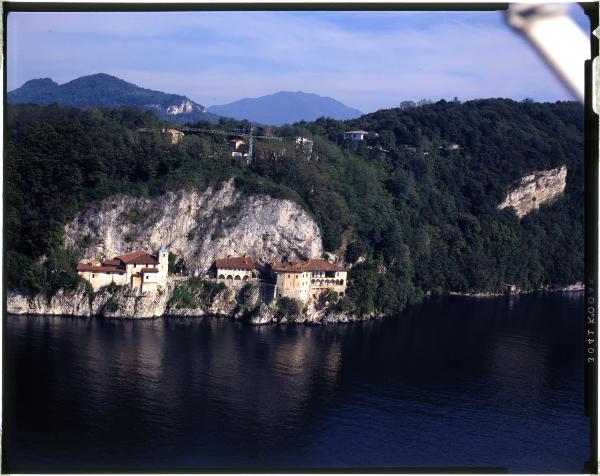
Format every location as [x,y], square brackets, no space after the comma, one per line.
[355,135]
[240,268]
[235,144]
[139,270]
[300,279]
[176,135]
[450,147]
[304,145]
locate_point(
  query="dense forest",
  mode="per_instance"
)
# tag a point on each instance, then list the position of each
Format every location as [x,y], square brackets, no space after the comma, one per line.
[412,215]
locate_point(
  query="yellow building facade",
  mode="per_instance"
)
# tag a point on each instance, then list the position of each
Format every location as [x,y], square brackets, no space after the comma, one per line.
[300,280]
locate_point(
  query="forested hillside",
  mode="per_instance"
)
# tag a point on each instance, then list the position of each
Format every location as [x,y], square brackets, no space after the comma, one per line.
[104,90]
[412,214]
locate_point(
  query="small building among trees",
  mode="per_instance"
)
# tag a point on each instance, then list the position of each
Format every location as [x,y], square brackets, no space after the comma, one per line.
[235,144]
[355,135]
[176,135]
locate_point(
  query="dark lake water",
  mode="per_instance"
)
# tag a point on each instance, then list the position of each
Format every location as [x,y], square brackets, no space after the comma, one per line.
[454,382]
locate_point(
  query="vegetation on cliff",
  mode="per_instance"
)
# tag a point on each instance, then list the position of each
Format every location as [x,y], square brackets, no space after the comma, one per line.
[412,213]
[195,293]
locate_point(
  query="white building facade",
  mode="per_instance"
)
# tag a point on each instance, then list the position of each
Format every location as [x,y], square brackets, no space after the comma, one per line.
[139,270]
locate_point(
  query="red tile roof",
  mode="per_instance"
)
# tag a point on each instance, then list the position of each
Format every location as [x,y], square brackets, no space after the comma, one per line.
[111,262]
[244,262]
[322,265]
[137,257]
[288,267]
[306,266]
[149,270]
[99,269]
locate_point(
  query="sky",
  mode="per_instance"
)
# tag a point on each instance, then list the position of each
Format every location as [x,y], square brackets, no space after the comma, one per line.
[367,60]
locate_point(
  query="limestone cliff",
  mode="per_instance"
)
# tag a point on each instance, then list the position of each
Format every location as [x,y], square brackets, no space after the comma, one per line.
[198,227]
[180,297]
[120,302]
[535,189]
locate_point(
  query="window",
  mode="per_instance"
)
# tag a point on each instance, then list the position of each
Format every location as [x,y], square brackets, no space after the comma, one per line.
[93,275]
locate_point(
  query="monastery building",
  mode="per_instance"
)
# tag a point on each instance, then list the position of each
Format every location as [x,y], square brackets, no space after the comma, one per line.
[235,269]
[298,280]
[140,270]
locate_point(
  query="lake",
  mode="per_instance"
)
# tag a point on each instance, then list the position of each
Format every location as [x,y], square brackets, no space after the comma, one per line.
[454,382]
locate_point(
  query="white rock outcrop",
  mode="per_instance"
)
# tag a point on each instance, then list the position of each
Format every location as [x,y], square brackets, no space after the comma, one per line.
[71,303]
[119,302]
[185,107]
[535,189]
[198,227]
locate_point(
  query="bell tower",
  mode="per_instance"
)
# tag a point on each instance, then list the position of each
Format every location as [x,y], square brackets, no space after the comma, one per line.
[163,262]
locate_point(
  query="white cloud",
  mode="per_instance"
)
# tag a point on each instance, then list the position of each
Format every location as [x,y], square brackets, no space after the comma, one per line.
[218,57]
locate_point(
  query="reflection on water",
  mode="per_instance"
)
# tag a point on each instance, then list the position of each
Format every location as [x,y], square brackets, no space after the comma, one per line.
[453,382]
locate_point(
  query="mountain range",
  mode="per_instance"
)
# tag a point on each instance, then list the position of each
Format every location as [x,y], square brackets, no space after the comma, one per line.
[286,107]
[104,90]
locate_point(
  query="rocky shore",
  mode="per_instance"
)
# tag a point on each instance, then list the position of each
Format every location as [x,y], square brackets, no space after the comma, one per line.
[233,302]
[571,288]
[178,299]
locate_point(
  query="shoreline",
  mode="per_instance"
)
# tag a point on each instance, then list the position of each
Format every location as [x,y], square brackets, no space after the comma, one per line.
[316,319]
[572,288]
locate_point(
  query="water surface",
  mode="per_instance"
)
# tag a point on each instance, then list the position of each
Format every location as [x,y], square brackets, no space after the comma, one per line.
[454,382]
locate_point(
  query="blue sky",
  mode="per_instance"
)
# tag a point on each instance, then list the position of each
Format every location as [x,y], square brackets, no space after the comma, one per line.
[368,60]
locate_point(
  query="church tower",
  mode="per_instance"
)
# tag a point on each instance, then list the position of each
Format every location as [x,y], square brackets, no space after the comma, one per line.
[163,263]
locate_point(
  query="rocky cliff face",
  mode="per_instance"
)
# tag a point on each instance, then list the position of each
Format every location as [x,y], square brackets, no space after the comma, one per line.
[198,227]
[120,302]
[226,301]
[185,107]
[535,189]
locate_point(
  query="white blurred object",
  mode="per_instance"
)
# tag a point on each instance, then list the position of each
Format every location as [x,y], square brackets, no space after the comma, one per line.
[557,37]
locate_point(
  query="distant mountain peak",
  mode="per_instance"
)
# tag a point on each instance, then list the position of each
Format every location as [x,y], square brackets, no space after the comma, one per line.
[40,81]
[105,90]
[286,107]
